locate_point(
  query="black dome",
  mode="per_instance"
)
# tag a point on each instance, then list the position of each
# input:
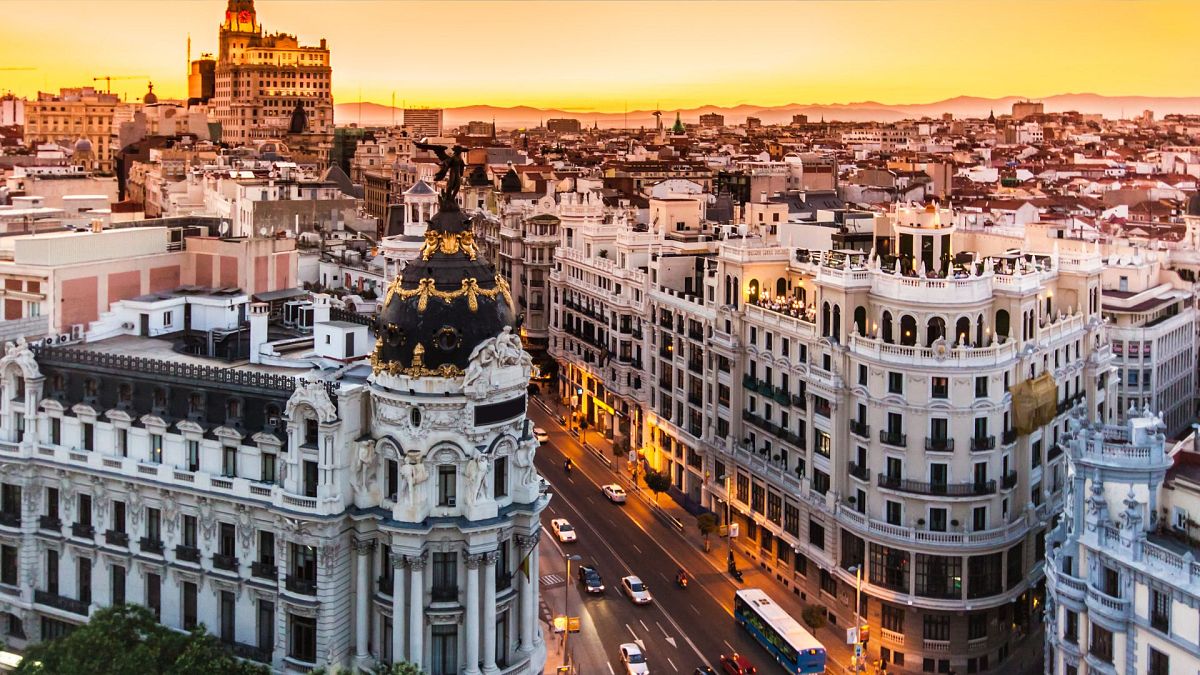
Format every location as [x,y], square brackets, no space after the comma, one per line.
[444,304]
[478,177]
[1193,208]
[511,182]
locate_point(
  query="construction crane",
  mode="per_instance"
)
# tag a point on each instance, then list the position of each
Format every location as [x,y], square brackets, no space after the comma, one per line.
[109,78]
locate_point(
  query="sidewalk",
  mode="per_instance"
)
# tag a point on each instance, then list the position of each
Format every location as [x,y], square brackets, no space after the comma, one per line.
[587,657]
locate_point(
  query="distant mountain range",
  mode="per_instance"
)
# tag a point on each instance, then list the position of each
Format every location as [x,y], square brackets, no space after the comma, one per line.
[373,114]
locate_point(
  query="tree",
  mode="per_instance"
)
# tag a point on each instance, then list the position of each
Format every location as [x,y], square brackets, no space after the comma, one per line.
[127,640]
[658,482]
[707,524]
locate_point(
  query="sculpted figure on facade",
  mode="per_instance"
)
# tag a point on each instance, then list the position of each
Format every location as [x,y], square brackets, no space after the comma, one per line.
[365,467]
[478,468]
[412,473]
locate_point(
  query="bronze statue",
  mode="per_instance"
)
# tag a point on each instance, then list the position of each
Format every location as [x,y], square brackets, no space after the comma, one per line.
[452,168]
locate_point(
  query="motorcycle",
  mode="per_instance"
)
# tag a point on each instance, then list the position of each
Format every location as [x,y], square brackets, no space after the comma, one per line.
[567,467]
[681,580]
[734,571]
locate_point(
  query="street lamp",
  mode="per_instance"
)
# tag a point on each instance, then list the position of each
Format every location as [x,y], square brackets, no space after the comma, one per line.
[567,611]
[858,650]
[724,478]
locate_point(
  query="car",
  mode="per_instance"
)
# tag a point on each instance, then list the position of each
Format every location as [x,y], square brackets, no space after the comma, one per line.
[704,670]
[633,659]
[636,590]
[736,664]
[541,435]
[563,530]
[614,492]
[590,578]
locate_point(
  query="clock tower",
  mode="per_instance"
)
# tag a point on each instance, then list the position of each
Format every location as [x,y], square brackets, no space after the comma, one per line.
[241,23]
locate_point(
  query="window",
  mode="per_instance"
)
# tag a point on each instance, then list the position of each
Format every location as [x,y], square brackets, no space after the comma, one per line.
[303,633]
[791,519]
[503,578]
[193,455]
[940,387]
[189,605]
[892,618]
[500,478]
[862,375]
[117,584]
[229,462]
[1160,611]
[266,547]
[156,448]
[979,518]
[1071,627]
[122,441]
[816,535]
[228,617]
[977,626]
[1101,644]
[889,567]
[820,481]
[443,655]
[266,625]
[893,512]
[269,467]
[447,484]
[88,436]
[445,577]
[936,627]
[828,583]
[8,565]
[983,574]
[939,576]
[310,478]
[154,594]
[225,539]
[304,563]
[55,431]
[52,572]
[937,519]
[981,387]
[895,383]
[1160,664]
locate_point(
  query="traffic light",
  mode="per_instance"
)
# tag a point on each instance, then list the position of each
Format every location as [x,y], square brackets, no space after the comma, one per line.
[864,633]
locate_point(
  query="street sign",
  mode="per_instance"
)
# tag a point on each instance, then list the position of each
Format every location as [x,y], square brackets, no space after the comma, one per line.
[632,456]
[851,635]
[733,530]
[858,650]
[573,624]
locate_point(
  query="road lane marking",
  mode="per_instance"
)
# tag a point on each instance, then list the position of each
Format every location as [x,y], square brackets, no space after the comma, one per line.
[644,626]
[634,546]
[695,610]
[635,637]
[731,649]
[670,640]
[672,664]
[610,668]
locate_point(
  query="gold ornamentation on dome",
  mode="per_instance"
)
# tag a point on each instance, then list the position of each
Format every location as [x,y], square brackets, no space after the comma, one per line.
[416,368]
[426,289]
[418,357]
[449,243]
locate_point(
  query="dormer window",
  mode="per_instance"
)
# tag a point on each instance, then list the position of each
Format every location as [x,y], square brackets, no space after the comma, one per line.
[159,401]
[91,388]
[233,409]
[125,393]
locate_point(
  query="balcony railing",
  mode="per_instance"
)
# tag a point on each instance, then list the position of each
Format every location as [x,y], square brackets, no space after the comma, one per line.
[50,523]
[444,593]
[82,530]
[1009,480]
[860,428]
[893,438]
[149,545]
[799,401]
[939,445]
[187,553]
[60,602]
[250,652]
[10,519]
[301,585]
[264,569]
[983,443]
[386,583]
[1009,436]
[223,561]
[921,487]
[114,538]
[860,471]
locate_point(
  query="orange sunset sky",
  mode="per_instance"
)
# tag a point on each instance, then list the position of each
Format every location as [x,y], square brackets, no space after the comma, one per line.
[585,55]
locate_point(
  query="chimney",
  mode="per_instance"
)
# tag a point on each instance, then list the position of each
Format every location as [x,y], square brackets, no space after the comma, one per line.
[320,308]
[258,329]
[97,225]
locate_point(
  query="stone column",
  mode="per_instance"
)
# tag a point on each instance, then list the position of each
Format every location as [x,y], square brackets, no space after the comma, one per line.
[397,636]
[362,598]
[471,599]
[529,591]
[489,612]
[416,611]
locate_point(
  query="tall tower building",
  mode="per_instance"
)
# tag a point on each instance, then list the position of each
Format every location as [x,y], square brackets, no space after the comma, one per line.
[260,78]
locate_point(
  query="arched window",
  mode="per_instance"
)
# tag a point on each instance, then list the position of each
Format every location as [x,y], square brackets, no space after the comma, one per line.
[780,287]
[979,331]
[908,330]
[962,331]
[728,290]
[752,292]
[1002,326]
[934,328]
[825,319]
[1050,307]
[860,320]
[837,323]
[886,329]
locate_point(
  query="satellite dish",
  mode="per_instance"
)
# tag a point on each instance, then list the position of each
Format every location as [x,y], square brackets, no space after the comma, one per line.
[224,229]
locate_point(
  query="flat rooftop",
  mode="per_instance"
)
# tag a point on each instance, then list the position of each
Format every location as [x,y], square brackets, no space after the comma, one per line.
[160,349]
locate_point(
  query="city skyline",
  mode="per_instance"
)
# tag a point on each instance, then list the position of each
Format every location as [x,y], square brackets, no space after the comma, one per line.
[817,52]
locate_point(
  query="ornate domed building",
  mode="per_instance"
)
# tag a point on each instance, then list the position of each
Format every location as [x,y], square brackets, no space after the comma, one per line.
[447,461]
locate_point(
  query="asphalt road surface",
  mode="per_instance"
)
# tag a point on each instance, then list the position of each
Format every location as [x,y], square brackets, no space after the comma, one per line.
[683,628]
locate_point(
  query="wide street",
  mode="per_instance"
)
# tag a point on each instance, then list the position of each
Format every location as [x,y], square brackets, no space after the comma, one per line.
[683,628]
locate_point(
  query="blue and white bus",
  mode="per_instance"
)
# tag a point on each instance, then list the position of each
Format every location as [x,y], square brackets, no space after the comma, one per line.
[793,647]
